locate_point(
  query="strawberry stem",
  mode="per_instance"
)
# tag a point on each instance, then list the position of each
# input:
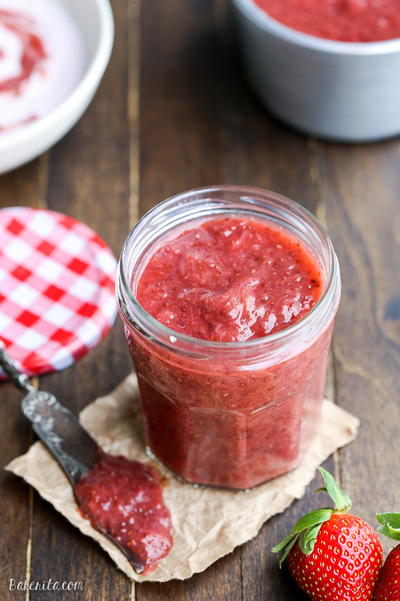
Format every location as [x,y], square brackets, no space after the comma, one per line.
[341,500]
[306,530]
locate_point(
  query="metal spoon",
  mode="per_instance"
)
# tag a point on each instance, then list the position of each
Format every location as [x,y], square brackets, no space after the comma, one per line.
[68,442]
[55,425]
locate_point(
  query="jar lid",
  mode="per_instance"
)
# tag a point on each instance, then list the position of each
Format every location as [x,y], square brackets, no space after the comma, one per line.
[57,298]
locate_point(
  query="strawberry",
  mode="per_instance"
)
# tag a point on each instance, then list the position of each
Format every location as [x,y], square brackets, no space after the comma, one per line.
[388,587]
[333,555]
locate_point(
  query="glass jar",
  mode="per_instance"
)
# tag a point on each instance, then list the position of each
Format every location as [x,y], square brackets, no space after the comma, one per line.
[228,414]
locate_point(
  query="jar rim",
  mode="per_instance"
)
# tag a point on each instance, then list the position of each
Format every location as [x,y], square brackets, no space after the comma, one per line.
[151,324]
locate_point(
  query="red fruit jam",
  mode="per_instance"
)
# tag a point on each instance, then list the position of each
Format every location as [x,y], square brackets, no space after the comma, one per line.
[343,20]
[239,402]
[230,280]
[123,499]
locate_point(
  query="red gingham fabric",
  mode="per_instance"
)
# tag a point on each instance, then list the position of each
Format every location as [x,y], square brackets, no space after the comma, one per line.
[57,297]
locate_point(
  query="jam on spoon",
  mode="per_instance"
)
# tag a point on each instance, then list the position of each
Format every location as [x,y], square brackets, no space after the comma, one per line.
[123,499]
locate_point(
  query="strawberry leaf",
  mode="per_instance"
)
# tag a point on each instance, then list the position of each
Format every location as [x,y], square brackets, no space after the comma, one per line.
[390,524]
[284,543]
[287,550]
[307,539]
[318,516]
[341,501]
[307,529]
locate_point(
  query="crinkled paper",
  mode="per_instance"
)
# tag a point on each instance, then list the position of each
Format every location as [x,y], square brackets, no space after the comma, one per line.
[207,523]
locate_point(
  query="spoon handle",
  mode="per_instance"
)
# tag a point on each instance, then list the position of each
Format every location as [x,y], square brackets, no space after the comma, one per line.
[61,432]
[56,426]
[10,367]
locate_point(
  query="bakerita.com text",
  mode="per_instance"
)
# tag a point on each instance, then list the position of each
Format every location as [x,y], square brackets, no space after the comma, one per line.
[45,585]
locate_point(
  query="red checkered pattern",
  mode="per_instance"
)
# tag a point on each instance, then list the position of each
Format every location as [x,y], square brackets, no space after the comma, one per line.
[57,297]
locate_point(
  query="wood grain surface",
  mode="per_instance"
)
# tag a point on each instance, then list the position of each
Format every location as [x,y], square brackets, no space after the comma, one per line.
[173,112]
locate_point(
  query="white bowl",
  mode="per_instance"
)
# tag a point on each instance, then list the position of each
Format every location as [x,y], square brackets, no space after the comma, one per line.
[95,21]
[337,90]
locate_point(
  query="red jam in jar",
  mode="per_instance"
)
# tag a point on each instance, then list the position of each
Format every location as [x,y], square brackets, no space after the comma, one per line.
[342,20]
[228,297]
[230,280]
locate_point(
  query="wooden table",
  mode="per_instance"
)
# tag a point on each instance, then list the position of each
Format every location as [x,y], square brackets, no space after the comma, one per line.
[173,113]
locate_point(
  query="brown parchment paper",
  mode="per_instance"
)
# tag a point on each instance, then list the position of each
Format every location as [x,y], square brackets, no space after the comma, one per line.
[207,523]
